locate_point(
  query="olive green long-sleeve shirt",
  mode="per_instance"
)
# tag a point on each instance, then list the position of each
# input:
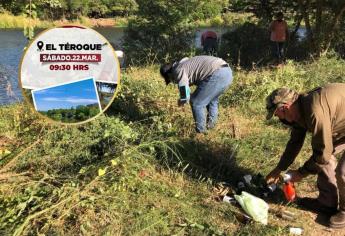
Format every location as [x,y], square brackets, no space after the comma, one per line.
[323,114]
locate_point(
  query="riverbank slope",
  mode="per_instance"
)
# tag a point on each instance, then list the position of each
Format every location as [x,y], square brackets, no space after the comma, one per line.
[140,169]
[8,21]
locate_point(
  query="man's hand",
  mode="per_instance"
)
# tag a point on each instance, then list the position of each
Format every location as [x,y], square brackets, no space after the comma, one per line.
[273,176]
[180,103]
[296,176]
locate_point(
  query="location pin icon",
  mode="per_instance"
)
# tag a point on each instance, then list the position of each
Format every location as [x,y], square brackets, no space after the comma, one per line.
[40,45]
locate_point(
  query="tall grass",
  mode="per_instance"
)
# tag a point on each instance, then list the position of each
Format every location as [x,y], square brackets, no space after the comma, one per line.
[11,21]
[8,21]
[139,170]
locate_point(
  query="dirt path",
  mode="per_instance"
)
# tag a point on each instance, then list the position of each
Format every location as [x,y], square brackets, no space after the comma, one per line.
[311,223]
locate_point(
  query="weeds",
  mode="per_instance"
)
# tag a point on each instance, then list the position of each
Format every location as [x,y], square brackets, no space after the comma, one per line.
[138,170]
[9,21]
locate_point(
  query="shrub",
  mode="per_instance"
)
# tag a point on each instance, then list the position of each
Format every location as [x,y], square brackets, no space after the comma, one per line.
[245,45]
[159,31]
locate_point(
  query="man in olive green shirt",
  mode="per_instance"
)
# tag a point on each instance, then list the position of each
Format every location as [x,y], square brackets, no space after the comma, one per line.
[321,112]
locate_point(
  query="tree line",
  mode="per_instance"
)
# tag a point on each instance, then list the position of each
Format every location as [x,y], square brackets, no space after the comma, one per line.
[72,9]
[74,114]
[162,29]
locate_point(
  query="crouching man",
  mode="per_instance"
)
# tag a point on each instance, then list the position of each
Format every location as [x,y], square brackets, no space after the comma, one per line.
[322,113]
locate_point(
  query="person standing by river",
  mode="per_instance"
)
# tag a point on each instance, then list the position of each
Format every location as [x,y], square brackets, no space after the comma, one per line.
[209,41]
[279,34]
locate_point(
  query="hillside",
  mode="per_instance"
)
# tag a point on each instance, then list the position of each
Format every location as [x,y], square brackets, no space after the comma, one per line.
[140,169]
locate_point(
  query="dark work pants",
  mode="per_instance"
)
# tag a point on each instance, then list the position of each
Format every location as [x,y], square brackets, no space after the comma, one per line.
[278,51]
[210,46]
[331,181]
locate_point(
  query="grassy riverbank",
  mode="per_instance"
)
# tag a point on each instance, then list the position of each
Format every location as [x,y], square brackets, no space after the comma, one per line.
[140,170]
[8,21]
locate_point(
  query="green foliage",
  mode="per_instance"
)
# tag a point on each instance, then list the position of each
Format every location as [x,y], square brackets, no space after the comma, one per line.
[50,9]
[61,9]
[97,9]
[14,6]
[251,88]
[159,31]
[323,20]
[265,10]
[77,114]
[238,19]
[123,7]
[31,14]
[246,45]
[209,9]
[10,21]
[249,46]
[139,170]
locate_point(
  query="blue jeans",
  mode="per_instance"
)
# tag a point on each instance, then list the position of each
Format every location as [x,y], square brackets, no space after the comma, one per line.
[206,96]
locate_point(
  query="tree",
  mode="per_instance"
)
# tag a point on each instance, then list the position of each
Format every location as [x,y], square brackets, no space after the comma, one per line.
[161,30]
[76,8]
[97,9]
[209,9]
[50,9]
[123,7]
[16,7]
[323,19]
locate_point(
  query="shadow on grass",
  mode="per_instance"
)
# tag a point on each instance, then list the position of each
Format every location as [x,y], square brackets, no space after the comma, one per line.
[203,159]
[199,158]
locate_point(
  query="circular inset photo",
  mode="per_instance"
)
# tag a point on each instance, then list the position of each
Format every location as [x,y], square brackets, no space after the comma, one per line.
[69,74]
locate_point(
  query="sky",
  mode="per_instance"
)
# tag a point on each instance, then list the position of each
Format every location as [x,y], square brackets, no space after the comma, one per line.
[66,96]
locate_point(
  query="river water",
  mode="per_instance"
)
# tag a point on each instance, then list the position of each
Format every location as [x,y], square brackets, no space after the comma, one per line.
[12,43]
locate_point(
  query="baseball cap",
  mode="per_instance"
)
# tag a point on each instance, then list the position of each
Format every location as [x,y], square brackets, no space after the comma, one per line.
[278,98]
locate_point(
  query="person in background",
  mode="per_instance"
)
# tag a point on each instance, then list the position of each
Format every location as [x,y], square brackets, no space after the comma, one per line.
[209,42]
[322,113]
[211,75]
[279,34]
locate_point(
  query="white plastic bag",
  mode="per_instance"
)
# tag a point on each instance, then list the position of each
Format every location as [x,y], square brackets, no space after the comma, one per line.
[253,206]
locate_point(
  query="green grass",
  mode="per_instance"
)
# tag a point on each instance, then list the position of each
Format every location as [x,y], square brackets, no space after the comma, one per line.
[139,169]
[229,19]
[8,21]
